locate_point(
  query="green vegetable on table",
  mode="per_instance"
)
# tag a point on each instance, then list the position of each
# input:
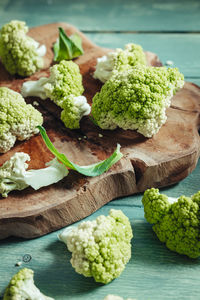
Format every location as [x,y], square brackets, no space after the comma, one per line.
[64,87]
[176,222]
[90,170]
[100,248]
[67,47]
[22,287]
[119,60]
[18,120]
[19,53]
[136,99]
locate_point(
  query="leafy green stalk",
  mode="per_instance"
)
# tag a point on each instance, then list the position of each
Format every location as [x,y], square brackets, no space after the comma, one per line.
[91,170]
[67,47]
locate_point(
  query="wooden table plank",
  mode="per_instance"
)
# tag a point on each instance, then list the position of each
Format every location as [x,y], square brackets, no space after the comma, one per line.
[131,15]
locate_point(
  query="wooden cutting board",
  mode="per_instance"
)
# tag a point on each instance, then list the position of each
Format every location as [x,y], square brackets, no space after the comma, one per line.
[163,160]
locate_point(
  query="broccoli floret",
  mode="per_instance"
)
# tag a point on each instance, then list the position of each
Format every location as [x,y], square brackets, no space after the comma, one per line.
[22,287]
[18,120]
[19,53]
[14,174]
[136,99]
[74,108]
[120,60]
[63,87]
[176,221]
[100,248]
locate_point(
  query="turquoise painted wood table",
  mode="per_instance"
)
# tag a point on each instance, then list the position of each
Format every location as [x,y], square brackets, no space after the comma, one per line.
[172,30]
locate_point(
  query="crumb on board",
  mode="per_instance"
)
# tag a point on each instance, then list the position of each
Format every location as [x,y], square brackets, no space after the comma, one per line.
[79,138]
[36,103]
[18,263]
[100,135]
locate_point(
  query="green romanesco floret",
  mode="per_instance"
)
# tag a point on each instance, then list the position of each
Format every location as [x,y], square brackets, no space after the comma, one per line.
[18,120]
[136,99]
[119,60]
[19,53]
[22,287]
[64,87]
[176,222]
[100,248]
[14,174]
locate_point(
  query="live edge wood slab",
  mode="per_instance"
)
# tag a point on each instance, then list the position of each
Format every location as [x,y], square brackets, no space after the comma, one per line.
[165,159]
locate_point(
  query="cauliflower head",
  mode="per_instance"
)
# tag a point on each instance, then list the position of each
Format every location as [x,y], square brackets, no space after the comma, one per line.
[18,120]
[176,222]
[74,108]
[19,53]
[65,79]
[22,287]
[136,99]
[100,248]
[120,60]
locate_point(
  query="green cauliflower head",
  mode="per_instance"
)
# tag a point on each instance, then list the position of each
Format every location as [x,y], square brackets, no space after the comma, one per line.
[176,222]
[119,60]
[18,120]
[74,108]
[100,248]
[65,79]
[136,99]
[19,53]
[22,287]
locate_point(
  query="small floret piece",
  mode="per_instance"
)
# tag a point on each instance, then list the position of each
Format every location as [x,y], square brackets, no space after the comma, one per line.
[120,60]
[100,248]
[65,79]
[136,99]
[19,53]
[74,108]
[14,174]
[176,222]
[22,287]
[18,120]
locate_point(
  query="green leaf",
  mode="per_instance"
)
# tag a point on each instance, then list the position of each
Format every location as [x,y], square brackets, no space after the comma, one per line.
[91,170]
[67,47]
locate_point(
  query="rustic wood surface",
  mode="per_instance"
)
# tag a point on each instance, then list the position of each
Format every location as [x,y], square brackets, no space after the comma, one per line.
[170,29]
[163,160]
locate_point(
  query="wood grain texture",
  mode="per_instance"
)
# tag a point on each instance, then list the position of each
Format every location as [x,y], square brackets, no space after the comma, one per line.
[110,15]
[161,161]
